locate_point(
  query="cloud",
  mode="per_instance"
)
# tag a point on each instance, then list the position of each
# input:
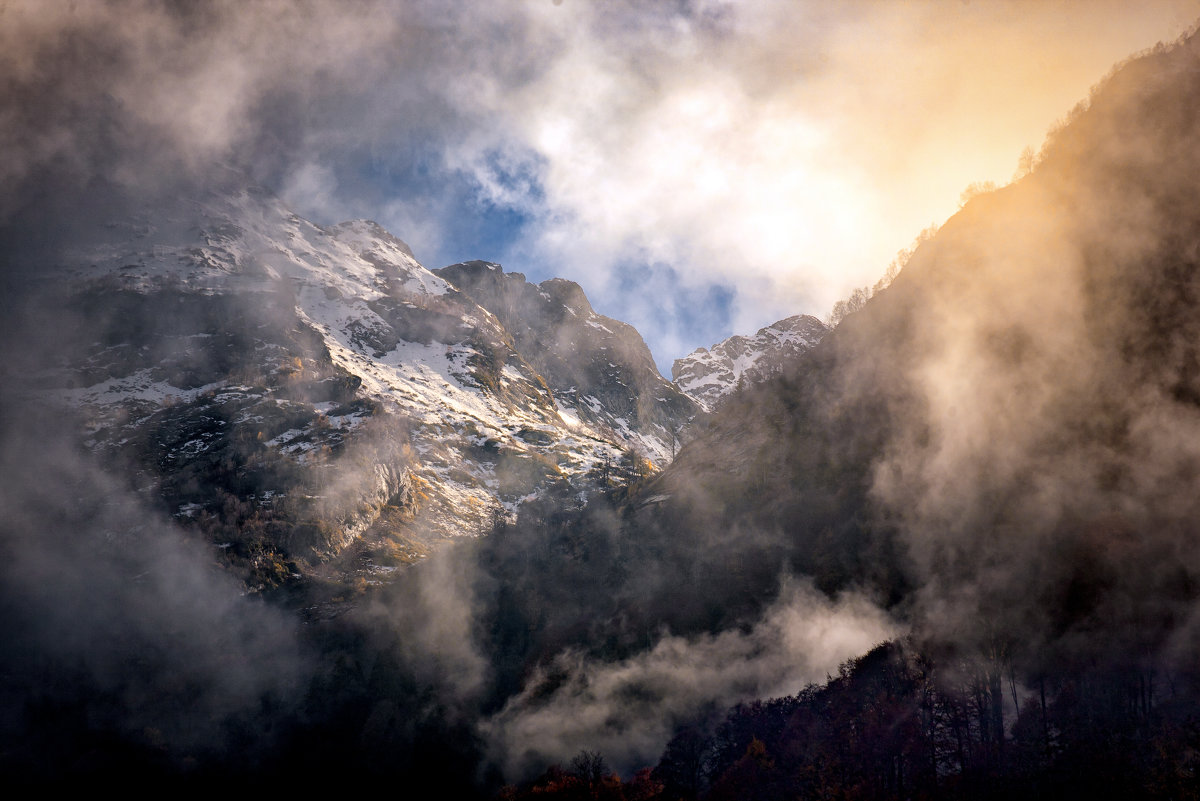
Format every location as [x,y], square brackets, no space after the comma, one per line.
[111,611]
[751,160]
[1042,470]
[628,710]
[787,149]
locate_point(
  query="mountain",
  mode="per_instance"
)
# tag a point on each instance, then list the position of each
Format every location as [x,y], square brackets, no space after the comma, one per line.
[313,399]
[598,367]
[1004,439]
[991,467]
[999,450]
[709,375]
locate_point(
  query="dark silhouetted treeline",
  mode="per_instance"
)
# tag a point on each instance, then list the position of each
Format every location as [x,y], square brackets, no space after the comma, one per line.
[895,724]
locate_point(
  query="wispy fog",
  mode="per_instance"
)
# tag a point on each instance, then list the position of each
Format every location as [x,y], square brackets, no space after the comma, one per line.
[115,622]
[779,153]
[629,709]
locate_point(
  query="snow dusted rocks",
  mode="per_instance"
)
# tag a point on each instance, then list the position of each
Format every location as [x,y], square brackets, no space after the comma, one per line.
[708,376]
[303,395]
[599,369]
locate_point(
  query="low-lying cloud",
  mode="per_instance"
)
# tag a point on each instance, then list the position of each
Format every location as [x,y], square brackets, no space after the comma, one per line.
[113,614]
[629,709]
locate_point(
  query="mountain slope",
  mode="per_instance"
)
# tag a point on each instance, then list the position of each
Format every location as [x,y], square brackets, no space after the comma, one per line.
[1005,439]
[597,366]
[290,389]
[998,454]
[708,375]
[1000,450]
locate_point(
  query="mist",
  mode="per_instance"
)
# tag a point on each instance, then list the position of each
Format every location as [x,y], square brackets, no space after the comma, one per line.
[1041,458]
[719,150]
[118,625]
[629,709]
[997,455]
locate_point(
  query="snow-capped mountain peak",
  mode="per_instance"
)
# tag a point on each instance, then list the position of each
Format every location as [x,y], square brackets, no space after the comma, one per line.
[223,331]
[708,375]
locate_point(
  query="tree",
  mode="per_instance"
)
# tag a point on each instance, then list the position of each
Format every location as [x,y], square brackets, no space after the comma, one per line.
[685,762]
[1025,164]
[975,189]
[589,767]
[843,308]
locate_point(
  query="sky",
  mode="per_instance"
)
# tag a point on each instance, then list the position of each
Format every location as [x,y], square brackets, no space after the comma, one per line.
[700,167]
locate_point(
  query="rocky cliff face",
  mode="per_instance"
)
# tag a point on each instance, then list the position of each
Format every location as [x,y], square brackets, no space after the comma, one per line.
[302,395]
[709,375]
[599,369]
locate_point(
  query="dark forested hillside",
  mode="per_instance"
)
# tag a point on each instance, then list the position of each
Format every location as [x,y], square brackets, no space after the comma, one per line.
[895,723]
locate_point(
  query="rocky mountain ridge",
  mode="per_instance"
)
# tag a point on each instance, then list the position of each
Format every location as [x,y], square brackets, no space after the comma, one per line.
[598,366]
[709,375]
[306,394]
